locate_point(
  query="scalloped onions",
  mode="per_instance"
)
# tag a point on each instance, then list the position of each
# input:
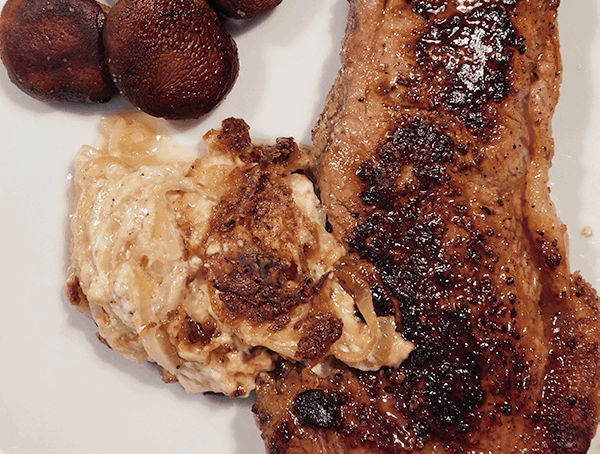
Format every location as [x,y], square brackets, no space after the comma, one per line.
[132,269]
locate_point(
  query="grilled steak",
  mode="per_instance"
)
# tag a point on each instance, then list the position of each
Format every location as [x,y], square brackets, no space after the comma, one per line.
[434,149]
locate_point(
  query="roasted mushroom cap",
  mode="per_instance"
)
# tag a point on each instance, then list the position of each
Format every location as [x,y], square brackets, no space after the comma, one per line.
[53,49]
[170,58]
[244,9]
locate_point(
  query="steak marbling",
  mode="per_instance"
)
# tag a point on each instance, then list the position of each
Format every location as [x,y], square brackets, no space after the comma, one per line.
[435,144]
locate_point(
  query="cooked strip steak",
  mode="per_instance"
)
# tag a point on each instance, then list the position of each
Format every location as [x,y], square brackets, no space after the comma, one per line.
[435,146]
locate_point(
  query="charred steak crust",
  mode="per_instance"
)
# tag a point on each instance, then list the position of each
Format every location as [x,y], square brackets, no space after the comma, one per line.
[435,148]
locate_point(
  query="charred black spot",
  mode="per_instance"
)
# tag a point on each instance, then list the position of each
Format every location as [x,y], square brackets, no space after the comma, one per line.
[471,54]
[411,220]
[457,98]
[418,145]
[318,408]
[550,253]
[382,303]
[425,8]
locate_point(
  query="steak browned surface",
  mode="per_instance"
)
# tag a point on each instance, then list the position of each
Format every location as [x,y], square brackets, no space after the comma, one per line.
[435,146]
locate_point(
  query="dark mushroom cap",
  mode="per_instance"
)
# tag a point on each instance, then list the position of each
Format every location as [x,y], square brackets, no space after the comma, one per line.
[53,51]
[244,9]
[170,58]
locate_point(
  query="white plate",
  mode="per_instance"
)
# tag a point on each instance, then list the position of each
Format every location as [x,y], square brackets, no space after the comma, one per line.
[61,391]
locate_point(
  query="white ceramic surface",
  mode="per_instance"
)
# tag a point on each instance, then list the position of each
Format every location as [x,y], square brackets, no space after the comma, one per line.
[63,392]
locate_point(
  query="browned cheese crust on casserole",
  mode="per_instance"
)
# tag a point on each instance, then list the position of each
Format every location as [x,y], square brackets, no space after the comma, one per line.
[435,145]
